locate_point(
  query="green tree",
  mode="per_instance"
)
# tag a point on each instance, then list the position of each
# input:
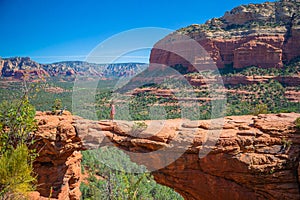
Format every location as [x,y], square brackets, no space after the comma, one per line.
[17,125]
[112,184]
[57,105]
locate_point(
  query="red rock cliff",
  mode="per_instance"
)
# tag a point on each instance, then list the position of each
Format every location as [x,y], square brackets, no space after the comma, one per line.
[265,35]
[251,157]
[58,165]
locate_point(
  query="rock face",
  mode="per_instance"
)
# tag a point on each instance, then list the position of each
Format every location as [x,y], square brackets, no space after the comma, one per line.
[58,165]
[264,35]
[254,157]
[248,159]
[258,54]
[238,157]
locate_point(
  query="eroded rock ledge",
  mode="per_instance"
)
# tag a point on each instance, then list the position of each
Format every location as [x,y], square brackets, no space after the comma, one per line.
[248,157]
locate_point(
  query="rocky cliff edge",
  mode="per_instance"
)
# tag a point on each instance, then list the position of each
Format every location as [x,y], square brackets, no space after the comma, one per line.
[253,157]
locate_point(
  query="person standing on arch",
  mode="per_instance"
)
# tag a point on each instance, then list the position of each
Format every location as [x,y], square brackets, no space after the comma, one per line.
[112,111]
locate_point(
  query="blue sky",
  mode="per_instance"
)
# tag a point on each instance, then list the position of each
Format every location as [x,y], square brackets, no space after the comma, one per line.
[55,30]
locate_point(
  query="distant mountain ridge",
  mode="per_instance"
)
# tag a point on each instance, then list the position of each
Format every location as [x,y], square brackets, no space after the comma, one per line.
[18,67]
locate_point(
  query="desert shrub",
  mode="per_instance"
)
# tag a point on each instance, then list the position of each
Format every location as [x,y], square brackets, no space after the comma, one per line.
[260,109]
[16,173]
[297,122]
[57,105]
[286,143]
[139,126]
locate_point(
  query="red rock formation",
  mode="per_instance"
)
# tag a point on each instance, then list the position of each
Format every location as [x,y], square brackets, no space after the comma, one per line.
[20,67]
[58,165]
[258,54]
[293,96]
[248,162]
[261,51]
[253,157]
[291,47]
[33,74]
[289,80]
[241,37]
[240,79]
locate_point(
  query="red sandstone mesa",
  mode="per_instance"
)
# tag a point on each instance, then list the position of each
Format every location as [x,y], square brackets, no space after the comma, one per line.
[264,35]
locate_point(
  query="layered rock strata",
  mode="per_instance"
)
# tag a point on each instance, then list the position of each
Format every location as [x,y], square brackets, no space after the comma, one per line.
[238,157]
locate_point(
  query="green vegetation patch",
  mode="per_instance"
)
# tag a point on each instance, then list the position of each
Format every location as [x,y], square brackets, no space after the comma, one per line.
[111,175]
